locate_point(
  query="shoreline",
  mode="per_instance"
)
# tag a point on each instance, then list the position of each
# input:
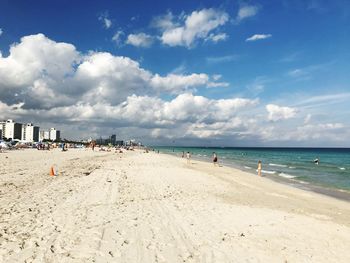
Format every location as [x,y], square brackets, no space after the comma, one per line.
[340,194]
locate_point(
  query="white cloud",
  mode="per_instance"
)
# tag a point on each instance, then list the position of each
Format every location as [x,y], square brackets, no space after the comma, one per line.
[191,28]
[104,77]
[276,112]
[95,93]
[217,37]
[107,23]
[164,22]
[140,40]
[258,37]
[246,12]
[36,59]
[1,31]
[117,37]
[179,83]
[152,112]
[44,73]
[216,77]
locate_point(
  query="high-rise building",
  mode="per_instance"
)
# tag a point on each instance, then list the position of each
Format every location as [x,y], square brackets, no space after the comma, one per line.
[2,129]
[44,135]
[11,129]
[54,134]
[30,133]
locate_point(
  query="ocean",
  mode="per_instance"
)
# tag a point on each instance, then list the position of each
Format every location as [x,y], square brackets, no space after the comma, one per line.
[294,165]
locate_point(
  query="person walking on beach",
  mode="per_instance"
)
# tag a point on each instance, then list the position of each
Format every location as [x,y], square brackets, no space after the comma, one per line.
[259,168]
[188,156]
[215,159]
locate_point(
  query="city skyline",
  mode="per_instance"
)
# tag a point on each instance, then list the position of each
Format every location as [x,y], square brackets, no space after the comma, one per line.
[26,132]
[230,73]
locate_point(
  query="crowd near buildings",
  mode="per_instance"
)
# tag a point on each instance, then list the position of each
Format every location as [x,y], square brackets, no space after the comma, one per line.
[11,130]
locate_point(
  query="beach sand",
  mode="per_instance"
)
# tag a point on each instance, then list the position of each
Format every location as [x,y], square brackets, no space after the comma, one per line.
[149,207]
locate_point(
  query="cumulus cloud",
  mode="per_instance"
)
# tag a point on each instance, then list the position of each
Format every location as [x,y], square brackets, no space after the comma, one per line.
[246,11]
[36,59]
[104,77]
[164,22]
[276,112]
[36,56]
[140,40]
[1,31]
[186,30]
[95,93]
[146,111]
[179,83]
[44,73]
[258,37]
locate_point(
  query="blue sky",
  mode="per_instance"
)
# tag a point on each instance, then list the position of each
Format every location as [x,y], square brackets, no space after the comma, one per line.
[199,72]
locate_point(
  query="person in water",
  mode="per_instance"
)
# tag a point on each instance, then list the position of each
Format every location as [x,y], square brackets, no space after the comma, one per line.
[317,161]
[215,158]
[188,156]
[259,168]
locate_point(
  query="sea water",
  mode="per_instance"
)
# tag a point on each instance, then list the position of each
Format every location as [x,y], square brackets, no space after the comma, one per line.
[294,164]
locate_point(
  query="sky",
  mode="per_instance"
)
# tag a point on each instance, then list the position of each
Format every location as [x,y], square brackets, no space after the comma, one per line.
[195,73]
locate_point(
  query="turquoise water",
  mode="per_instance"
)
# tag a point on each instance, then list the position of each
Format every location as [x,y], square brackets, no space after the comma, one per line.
[294,164]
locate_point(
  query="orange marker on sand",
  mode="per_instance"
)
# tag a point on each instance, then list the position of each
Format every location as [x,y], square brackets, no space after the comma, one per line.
[52,172]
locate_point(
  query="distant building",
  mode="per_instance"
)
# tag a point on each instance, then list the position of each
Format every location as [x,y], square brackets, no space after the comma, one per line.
[2,127]
[44,135]
[30,133]
[119,143]
[113,139]
[55,134]
[11,129]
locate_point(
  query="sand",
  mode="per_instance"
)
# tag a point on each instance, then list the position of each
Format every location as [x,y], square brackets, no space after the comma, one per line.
[149,207]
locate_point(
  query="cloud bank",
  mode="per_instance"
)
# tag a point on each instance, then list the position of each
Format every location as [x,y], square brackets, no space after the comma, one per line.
[97,93]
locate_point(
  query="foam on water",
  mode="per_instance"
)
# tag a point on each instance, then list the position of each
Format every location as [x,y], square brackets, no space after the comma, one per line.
[286,175]
[342,168]
[278,165]
[247,167]
[268,172]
